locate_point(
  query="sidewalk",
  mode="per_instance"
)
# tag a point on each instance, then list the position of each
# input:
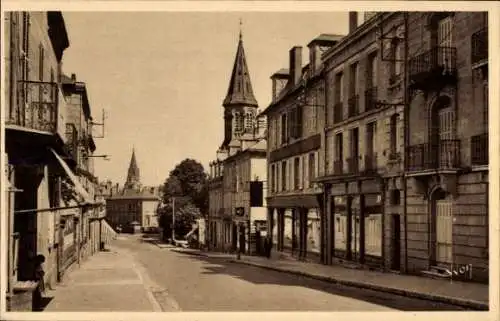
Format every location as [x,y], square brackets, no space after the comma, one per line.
[470,295]
[107,281]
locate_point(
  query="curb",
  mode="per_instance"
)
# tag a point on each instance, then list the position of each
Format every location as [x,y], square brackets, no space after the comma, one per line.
[475,305]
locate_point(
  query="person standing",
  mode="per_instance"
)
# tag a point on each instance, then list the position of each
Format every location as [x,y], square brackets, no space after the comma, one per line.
[38,276]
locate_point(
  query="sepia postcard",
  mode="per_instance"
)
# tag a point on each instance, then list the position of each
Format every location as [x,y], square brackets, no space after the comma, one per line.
[234,157]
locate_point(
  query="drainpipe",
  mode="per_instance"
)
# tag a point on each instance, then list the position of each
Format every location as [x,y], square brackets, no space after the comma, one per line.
[406,138]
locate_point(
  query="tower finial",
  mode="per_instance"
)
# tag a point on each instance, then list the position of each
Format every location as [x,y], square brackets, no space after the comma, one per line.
[241,27]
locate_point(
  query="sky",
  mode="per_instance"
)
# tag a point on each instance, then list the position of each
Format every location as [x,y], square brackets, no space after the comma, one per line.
[161,77]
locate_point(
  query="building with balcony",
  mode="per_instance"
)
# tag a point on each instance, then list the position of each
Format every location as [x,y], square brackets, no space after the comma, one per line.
[44,198]
[447,150]
[295,122]
[237,177]
[81,146]
[361,152]
[134,205]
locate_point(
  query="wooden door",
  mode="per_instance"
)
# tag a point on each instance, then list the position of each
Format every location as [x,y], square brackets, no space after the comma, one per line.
[444,232]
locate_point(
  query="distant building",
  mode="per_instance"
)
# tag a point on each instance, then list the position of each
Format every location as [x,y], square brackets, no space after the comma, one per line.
[134,204]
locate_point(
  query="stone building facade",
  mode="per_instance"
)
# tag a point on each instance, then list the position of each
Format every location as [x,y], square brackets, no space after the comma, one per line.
[402,156]
[362,144]
[295,120]
[239,166]
[447,150]
[46,194]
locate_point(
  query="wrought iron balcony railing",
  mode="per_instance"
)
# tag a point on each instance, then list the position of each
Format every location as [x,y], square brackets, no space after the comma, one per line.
[371,162]
[338,167]
[353,106]
[479,150]
[438,61]
[353,165]
[338,112]
[479,46]
[371,99]
[442,155]
[37,108]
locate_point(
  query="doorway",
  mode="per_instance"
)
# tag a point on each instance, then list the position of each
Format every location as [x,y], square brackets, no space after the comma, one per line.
[396,242]
[441,229]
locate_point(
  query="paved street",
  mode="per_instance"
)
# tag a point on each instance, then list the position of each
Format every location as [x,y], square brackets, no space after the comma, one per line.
[193,283]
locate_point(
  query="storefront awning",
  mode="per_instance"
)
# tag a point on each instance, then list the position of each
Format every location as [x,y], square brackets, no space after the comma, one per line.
[86,198]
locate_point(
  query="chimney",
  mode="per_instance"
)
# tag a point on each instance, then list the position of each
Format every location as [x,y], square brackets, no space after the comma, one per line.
[314,57]
[73,77]
[353,21]
[295,65]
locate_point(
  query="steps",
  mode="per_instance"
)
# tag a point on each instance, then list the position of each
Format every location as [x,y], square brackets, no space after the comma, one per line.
[437,272]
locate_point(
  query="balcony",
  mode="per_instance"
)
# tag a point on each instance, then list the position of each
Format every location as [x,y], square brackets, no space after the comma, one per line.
[338,167]
[371,99]
[479,46]
[479,150]
[371,163]
[72,140]
[433,69]
[444,155]
[338,112]
[353,165]
[38,102]
[353,106]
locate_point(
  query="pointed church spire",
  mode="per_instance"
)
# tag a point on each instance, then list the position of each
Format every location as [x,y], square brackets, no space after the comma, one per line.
[240,90]
[133,176]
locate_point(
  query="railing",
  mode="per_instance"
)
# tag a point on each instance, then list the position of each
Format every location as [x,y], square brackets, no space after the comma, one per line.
[371,99]
[338,112]
[353,106]
[371,162]
[72,140]
[37,106]
[442,155]
[479,46]
[437,59]
[479,150]
[353,165]
[338,167]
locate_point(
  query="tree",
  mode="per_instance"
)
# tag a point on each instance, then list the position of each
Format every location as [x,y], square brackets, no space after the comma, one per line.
[187,184]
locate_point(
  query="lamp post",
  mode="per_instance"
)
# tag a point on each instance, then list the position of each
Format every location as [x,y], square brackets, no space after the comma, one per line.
[173,220]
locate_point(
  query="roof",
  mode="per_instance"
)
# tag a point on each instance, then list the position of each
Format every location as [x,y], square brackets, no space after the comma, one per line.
[326,38]
[240,87]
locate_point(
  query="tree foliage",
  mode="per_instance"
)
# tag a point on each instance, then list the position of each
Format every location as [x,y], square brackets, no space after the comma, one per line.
[187,185]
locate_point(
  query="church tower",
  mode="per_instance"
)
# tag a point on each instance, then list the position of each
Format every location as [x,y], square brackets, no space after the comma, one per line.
[240,105]
[133,178]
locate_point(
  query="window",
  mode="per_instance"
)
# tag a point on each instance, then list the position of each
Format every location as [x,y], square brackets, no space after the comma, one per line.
[41,53]
[339,87]
[238,122]
[353,80]
[271,179]
[372,71]
[339,148]
[296,173]
[354,143]
[283,176]
[312,165]
[284,133]
[371,130]
[445,39]
[394,134]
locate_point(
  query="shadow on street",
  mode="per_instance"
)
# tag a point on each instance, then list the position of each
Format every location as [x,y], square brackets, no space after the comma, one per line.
[247,273]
